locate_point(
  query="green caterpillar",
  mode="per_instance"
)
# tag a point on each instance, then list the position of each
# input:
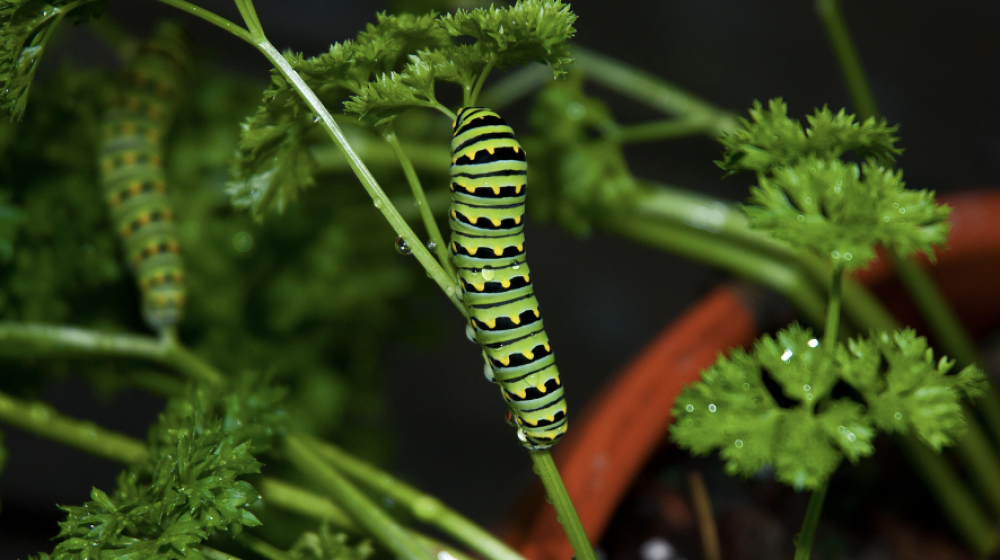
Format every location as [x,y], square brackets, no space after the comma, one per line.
[134,184]
[488,186]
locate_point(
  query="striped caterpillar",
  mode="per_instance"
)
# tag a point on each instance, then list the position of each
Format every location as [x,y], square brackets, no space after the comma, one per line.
[488,188]
[132,177]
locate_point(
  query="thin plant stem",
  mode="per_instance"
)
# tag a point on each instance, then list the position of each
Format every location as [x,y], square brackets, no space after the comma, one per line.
[250,18]
[213,554]
[40,419]
[445,281]
[212,18]
[666,129]
[806,536]
[422,506]
[546,470]
[710,549]
[365,512]
[968,518]
[423,157]
[847,57]
[45,340]
[280,494]
[833,309]
[441,248]
[515,86]
[263,548]
[980,457]
[479,83]
[652,90]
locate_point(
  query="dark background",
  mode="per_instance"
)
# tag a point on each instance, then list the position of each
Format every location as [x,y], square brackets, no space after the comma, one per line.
[933,68]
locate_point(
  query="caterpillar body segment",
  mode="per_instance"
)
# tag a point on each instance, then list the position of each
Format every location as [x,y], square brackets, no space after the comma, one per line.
[134,184]
[488,186]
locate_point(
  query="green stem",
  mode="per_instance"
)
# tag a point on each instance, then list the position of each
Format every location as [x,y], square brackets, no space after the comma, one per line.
[280,494]
[515,86]
[251,20]
[968,518]
[213,554]
[39,419]
[479,83]
[833,309]
[212,18]
[652,91]
[667,129]
[389,133]
[36,339]
[847,57]
[369,515]
[422,506]
[382,202]
[980,457]
[263,548]
[804,541]
[545,467]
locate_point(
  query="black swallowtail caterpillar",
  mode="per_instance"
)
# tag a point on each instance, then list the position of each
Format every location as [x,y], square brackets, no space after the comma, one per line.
[131,160]
[488,186]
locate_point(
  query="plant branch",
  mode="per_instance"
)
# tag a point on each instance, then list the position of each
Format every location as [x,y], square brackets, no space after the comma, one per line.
[369,515]
[833,309]
[479,83]
[212,18]
[39,419]
[652,91]
[804,540]
[381,201]
[37,339]
[556,494]
[706,520]
[389,133]
[422,506]
[847,58]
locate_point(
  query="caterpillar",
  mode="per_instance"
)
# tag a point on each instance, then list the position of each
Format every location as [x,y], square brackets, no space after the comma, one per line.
[488,187]
[133,128]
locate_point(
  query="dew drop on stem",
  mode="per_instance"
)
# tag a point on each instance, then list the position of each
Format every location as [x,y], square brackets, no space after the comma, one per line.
[402,247]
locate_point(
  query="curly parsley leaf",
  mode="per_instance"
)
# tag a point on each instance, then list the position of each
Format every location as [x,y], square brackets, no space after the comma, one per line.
[915,394]
[189,487]
[842,210]
[25,28]
[529,31]
[771,139]
[324,545]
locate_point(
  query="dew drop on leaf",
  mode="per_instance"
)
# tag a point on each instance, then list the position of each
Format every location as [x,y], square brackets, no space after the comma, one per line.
[689,408]
[488,273]
[402,247]
[242,241]
[739,444]
[516,266]
[746,386]
[899,415]
[711,408]
[431,245]
[800,218]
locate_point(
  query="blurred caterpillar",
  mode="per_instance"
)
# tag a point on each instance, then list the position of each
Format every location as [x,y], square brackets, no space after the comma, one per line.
[134,184]
[488,188]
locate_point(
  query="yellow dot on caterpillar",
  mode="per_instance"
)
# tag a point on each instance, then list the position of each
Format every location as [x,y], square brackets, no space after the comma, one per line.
[454,159]
[506,361]
[498,251]
[496,222]
[490,323]
[515,318]
[516,148]
[522,393]
[517,189]
[144,218]
[535,311]
[496,189]
[528,354]
[520,247]
[453,123]
[527,278]
[479,288]
[490,150]
[454,214]
[547,348]
[557,379]
[540,387]
[471,154]
[135,187]
[129,158]
[550,418]
[532,422]
[506,284]
[517,219]
[454,247]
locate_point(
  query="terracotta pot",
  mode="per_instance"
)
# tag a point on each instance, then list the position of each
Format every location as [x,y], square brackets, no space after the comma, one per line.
[607,447]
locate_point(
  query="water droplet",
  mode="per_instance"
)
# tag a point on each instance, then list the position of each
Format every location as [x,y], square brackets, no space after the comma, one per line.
[739,444]
[851,436]
[711,408]
[800,218]
[689,408]
[377,203]
[470,333]
[517,266]
[316,120]
[431,245]
[895,205]
[488,273]
[787,355]
[835,254]
[887,219]
[842,429]
[809,396]
[242,241]
[445,555]
[402,247]
[807,388]
[657,548]
[809,200]
[898,415]
[902,210]
[576,111]
[746,386]
[813,342]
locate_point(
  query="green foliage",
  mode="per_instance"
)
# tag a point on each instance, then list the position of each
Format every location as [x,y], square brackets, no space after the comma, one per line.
[731,409]
[842,210]
[190,485]
[324,545]
[389,68]
[771,139]
[810,198]
[578,173]
[25,28]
